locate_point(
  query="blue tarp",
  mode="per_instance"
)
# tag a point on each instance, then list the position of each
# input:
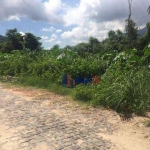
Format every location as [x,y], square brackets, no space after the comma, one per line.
[64,79]
[79,80]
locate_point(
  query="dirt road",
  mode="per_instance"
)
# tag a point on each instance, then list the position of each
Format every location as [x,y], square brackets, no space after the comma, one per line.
[32,119]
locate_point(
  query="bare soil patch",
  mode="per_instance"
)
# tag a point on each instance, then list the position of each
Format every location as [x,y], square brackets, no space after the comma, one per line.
[127,135]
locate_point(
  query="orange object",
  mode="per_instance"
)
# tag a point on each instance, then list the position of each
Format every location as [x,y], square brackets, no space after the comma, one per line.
[68,80]
[95,79]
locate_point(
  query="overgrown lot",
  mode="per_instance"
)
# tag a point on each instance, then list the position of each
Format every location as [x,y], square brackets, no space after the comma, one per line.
[122,61]
[124,84]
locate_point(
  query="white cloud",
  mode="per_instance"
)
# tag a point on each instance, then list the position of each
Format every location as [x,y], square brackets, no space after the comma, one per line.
[49,41]
[97,17]
[44,37]
[82,32]
[88,18]
[52,39]
[56,11]
[54,36]
[76,35]
[22,33]
[36,10]
[13,18]
[58,31]
[102,10]
[58,42]
[52,6]
[83,11]
[50,29]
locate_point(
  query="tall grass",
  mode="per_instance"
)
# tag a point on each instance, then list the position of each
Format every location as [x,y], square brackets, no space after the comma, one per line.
[129,93]
[46,84]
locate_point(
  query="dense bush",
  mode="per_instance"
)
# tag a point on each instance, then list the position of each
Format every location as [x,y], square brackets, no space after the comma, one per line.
[125,85]
[128,93]
[84,93]
[125,76]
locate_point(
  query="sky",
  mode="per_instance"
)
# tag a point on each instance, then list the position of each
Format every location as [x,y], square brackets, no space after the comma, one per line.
[69,22]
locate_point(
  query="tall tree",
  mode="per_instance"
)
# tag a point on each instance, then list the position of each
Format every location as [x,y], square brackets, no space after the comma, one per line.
[130,28]
[32,42]
[93,45]
[115,41]
[55,47]
[14,38]
[13,41]
[130,9]
[148,10]
[82,48]
[2,39]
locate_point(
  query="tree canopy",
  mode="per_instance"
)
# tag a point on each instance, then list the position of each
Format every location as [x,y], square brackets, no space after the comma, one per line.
[13,40]
[32,42]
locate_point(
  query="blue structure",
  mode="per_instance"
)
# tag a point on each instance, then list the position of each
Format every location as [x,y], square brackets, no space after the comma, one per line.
[64,80]
[87,80]
[69,82]
[79,80]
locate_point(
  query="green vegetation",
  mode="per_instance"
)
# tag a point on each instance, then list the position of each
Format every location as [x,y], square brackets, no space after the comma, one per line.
[121,60]
[15,41]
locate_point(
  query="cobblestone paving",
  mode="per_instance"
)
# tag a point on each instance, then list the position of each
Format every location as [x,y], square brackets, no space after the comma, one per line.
[30,125]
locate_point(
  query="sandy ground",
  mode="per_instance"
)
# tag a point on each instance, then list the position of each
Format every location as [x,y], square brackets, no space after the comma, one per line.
[128,135]
[131,135]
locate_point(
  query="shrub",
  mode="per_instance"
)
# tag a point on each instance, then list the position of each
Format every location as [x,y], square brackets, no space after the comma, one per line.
[84,93]
[126,94]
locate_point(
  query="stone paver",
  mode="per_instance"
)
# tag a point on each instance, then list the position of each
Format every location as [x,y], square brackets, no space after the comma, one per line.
[30,125]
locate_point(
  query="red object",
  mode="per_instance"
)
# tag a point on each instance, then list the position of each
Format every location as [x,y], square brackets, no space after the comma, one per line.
[68,80]
[95,79]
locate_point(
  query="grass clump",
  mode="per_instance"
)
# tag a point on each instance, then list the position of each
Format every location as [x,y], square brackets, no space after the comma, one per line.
[84,93]
[126,94]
